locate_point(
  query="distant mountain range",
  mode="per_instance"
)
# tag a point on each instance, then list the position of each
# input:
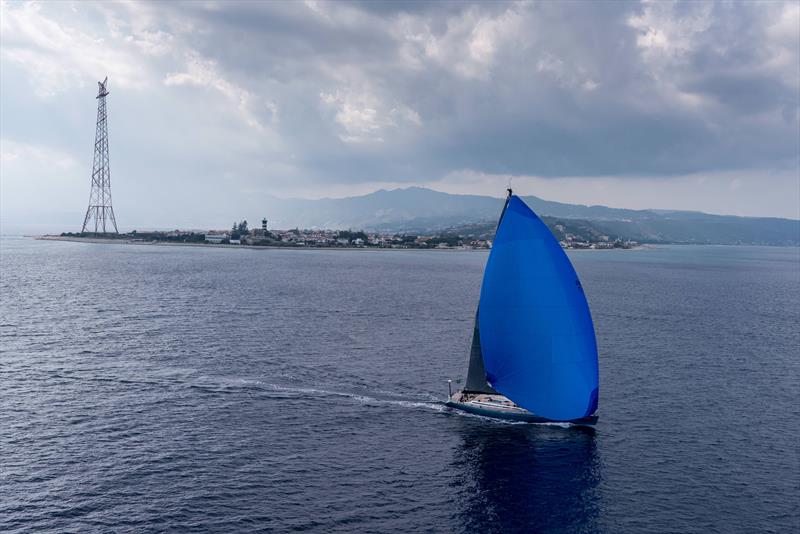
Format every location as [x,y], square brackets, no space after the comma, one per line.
[421,210]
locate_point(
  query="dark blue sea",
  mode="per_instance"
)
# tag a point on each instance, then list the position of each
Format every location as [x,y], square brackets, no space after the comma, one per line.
[188,389]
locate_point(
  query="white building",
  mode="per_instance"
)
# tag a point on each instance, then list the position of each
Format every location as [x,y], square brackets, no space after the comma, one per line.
[214,237]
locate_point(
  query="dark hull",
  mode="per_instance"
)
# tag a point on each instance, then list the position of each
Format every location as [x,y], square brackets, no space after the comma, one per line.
[519,416]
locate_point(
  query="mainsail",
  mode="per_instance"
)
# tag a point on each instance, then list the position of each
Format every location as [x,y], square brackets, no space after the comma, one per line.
[534,330]
[476,374]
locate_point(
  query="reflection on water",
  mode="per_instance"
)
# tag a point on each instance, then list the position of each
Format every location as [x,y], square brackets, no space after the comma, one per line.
[524,478]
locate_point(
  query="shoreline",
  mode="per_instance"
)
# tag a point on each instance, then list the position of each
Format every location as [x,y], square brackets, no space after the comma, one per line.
[103,241]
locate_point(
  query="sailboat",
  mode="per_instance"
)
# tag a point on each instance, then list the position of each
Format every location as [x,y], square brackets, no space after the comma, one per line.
[534,353]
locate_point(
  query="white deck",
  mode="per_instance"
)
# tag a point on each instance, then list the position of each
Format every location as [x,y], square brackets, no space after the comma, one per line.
[491,402]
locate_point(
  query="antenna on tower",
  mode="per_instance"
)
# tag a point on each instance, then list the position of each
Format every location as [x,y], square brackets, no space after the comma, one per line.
[100,214]
[101,90]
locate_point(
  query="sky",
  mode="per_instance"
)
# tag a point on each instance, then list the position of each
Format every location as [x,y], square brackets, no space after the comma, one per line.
[684,105]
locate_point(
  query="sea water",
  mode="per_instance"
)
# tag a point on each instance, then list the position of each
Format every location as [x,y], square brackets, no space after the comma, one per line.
[160,388]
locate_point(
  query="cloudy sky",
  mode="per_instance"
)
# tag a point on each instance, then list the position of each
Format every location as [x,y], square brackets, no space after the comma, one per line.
[666,105]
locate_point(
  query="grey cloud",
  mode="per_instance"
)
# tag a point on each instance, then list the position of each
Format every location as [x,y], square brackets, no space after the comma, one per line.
[350,92]
[567,91]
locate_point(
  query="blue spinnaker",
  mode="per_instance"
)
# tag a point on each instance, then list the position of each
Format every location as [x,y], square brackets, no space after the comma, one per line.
[536,331]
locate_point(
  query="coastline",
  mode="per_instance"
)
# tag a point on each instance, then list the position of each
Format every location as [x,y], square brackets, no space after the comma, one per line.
[103,241]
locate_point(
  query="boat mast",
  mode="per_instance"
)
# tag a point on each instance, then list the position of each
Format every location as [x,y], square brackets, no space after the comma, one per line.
[508,198]
[476,372]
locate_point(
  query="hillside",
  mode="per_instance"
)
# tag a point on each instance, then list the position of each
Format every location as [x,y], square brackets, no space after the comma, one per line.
[420,210]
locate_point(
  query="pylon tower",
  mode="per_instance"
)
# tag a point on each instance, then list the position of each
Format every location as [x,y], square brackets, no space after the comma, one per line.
[100,214]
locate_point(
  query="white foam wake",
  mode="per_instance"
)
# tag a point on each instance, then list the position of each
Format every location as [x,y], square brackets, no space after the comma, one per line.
[364,399]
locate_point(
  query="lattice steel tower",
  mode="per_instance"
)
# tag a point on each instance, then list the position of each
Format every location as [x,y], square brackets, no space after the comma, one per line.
[100,209]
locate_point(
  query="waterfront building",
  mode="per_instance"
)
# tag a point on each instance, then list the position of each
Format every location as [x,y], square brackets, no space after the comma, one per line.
[215,237]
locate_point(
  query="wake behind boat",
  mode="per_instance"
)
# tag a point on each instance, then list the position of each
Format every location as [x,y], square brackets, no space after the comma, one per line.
[534,354]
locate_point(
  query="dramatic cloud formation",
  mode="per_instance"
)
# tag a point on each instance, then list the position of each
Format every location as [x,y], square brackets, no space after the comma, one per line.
[635,103]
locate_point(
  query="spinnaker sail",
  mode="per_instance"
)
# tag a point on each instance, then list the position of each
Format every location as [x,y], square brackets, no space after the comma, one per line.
[534,328]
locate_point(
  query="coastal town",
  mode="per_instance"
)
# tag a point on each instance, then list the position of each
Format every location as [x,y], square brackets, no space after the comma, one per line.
[240,234]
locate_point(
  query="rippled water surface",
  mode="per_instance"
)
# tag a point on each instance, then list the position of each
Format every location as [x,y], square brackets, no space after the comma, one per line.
[149,388]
